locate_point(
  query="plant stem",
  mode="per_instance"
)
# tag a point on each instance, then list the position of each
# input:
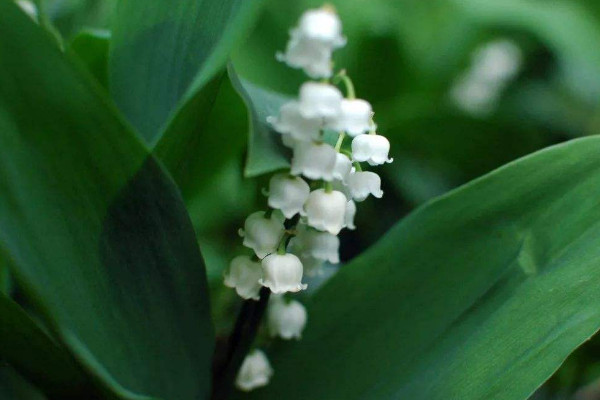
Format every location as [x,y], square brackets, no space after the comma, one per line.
[240,342]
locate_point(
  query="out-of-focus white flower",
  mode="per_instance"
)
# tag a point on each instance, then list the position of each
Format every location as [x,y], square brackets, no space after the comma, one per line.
[320,100]
[311,43]
[373,149]
[349,216]
[262,234]
[312,266]
[326,210]
[342,167]
[322,25]
[255,372]
[243,275]
[354,118]
[290,121]
[478,90]
[288,141]
[364,183]
[286,320]
[288,194]
[314,160]
[315,244]
[282,273]
[29,8]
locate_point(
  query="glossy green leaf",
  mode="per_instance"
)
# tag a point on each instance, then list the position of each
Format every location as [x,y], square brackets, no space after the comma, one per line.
[163,53]
[265,150]
[91,46]
[25,345]
[14,387]
[480,294]
[98,234]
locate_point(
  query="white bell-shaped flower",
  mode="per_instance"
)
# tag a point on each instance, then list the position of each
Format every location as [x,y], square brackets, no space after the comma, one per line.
[361,184]
[255,372]
[318,33]
[315,244]
[320,100]
[349,216]
[282,273]
[310,55]
[291,122]
[286,320]
[342,168]
[373,149]
[322,25]
[326,210]
[354,117]
[314,160]
[243,276]
[262,234]
[288,194]
[312,266]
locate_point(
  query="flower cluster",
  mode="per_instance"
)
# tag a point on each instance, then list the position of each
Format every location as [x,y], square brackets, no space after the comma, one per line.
[312,202]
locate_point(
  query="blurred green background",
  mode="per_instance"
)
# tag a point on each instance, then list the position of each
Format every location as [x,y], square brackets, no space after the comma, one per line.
[460,87]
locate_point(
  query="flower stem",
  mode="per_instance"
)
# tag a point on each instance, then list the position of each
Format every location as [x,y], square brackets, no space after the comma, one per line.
[340,141]
[239,344]
[343,76]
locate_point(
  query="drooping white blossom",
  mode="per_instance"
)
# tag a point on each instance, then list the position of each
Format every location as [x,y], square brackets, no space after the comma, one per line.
[286,320]
[349,216]
[320,100]
[243,276]
[288,194]
[282,273]
[262,234]
[314,160]
[361,184]
[291,122]
[255,372]
[342,168]
[316,244]
[326,210]
[311,43]
[354,117]
[373,149]
[312,266]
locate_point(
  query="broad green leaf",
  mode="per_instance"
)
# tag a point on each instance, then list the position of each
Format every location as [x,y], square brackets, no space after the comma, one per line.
[14,387]
[25,345]
[97,232]
[265,150]
[163,54]
[480,294]
[91,46]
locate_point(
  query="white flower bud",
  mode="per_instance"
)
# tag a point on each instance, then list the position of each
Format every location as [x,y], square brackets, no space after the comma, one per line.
[362,184]
[342,167]
[255,372]
[354,118]
[288,194]
[371,148]
[262,234]
[322,25]
[291,122]
[316,244]
[282,273]
[314,160]
[326,210]
[320,100]
[243,275]
[349,216]
[286,320]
